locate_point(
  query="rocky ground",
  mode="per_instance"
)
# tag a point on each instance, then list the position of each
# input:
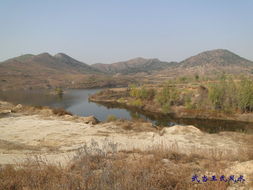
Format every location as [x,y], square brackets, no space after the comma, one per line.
[29,132]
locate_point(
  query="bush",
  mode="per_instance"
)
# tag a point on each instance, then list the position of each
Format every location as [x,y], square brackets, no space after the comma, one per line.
[182,79]
[107,168]
[216,95]
[60,112]
[121,100]
[196,76]
[166,108]
[223,95]
[111,118]
[188,102]
[168,96]
[137,103]
[142,92]
[59,91]
[245,95]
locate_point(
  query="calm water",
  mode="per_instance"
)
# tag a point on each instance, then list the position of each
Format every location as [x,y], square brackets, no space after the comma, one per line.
[76,101]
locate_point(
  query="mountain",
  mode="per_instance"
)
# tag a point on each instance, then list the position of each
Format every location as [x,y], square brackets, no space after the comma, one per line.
[218,57]
[67,60]
[44,63]
[210,63]
[133,66]
[43,71]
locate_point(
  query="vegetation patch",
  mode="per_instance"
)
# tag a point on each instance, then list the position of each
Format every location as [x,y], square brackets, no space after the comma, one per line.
[111,118]
[60,112]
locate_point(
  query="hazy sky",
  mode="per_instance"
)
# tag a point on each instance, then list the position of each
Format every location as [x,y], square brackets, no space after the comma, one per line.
[112,30]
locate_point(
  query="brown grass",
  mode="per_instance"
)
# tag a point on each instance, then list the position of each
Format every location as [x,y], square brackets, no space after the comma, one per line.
[136,126]
[107,168]
[60,112]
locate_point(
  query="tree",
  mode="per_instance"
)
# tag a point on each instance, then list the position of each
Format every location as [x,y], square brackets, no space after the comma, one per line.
[196,76]
[167,97]
[245,95]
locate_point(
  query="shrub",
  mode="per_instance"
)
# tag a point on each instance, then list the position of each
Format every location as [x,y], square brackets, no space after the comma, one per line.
[121,100]
[59,91]
[245,95]
[111,118]
[137,103]
[142,92]
[182,79]
[223,95]
[107,168]
[168,96]
[166,108]
[188,102]
[216,95]
[196,76]
[60,112]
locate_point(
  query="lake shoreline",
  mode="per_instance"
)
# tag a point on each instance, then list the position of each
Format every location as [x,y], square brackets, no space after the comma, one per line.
[176,112]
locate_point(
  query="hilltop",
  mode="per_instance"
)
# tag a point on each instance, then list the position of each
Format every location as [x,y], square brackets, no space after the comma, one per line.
[218,57]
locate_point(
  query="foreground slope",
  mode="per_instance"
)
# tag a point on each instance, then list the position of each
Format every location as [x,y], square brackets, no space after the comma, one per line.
[38,141]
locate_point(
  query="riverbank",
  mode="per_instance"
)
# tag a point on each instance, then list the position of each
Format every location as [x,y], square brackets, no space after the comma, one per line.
[50,136]
[120,97]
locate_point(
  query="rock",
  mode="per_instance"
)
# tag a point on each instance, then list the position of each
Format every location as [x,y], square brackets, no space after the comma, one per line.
[68,116]
[19,106]
[178,129]
[5,113]
[90,120]
[166,161]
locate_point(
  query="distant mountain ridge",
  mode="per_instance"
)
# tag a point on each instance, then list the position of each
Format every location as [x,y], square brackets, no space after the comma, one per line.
[133,66]
[47,71]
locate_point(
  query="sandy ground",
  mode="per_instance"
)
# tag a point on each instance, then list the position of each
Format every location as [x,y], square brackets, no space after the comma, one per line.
[56,139]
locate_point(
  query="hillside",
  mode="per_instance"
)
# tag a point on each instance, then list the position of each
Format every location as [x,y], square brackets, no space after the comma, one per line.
[134,66]
[44,63]
[47,71]
[219,57]
[208,64]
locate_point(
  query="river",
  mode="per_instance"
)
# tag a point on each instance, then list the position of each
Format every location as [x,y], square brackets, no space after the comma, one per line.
[76,101]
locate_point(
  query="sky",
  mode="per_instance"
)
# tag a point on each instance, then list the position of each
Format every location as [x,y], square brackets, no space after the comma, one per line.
[105,31]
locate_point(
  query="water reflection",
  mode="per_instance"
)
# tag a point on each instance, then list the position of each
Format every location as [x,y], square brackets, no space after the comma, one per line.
[208,125]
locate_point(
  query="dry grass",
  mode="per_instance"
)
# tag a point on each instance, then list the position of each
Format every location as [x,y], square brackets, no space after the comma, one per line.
[8,145]
[105,168]
[60,112]
[136,126]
